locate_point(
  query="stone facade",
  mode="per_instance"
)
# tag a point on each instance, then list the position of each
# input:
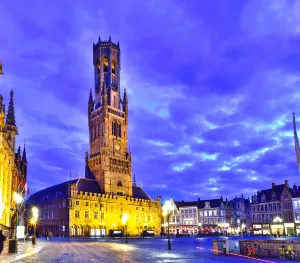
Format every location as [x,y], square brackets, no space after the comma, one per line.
[94,213]
[188,218]
[109,160]
[13,166]
[95,205]
[272,211]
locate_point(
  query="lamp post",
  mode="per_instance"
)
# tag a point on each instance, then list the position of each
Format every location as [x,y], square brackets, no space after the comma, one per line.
[243,229]
[12,245]
[124,222]
[199,226]
[33,221]
[167,210]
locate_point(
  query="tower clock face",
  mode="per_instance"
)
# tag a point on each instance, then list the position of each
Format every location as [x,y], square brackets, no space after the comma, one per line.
[117,146]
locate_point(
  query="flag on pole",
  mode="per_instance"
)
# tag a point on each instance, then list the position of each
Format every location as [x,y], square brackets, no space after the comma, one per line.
[297,148]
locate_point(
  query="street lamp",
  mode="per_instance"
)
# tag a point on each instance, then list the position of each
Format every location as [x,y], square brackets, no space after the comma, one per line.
[12,245]
[33,221]
[167,210]
[277,219]
[124,222]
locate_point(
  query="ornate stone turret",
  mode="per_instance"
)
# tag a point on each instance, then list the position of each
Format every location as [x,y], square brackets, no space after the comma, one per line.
[134,182]
[90,104]
[18,159]
[1,72]
[10,120]
[11,126]
[24,163]
[2,112]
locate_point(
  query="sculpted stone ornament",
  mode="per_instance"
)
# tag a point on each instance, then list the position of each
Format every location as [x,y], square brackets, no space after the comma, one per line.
[117,146]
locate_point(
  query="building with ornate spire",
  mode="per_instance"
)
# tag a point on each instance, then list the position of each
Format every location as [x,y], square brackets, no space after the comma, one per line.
[296,141]
[95,205]
[13,166]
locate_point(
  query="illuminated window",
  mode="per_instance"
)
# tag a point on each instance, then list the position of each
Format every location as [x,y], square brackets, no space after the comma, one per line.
[105,64]
[113,69]
[96,215]
[86,214]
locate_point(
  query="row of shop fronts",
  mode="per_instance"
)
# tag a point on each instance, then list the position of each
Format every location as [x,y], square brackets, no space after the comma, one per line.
[94,231]
[289,229]
[196,229]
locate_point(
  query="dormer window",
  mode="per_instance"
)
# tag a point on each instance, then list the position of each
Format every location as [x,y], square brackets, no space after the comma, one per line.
[274,197]
[207,204]
[263,199]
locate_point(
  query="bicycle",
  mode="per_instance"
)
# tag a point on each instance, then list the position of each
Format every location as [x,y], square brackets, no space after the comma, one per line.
[286,254]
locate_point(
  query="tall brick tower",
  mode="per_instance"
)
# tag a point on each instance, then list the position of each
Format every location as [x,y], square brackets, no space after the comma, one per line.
[109,161]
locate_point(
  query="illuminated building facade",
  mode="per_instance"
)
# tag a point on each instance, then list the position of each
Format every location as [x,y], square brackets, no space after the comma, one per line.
[13,166]
[272,211]
[188,218]
[95,204]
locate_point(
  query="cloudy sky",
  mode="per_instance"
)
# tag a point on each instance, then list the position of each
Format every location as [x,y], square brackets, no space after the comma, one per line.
[212,87]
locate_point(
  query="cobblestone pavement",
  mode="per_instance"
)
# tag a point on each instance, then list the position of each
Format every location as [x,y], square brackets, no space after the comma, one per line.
[184,250]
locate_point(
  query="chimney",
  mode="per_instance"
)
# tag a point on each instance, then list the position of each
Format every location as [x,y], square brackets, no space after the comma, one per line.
[286,182]
[273,185]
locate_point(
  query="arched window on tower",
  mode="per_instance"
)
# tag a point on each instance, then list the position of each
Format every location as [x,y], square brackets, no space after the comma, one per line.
[98,66]
[113,65]
[105,64]
[120,132]
[113,128]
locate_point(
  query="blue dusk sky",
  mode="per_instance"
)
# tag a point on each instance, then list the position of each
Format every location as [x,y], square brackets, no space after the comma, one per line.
[212,86]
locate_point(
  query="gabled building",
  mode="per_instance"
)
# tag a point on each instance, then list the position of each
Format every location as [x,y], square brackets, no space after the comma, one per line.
[272,211]
[190,218]
[240,212]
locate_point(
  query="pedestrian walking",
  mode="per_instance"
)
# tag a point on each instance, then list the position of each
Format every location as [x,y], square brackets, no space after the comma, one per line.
[2,239]
[50,235]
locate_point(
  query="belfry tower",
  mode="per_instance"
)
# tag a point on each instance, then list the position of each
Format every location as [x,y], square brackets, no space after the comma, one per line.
[109,161]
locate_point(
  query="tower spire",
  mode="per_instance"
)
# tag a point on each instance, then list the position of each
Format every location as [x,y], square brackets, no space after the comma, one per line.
[10,119]
[90,104]
[2,111]
[297,148]
[24,162]
[24,159]
[134,182]
[1,72]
